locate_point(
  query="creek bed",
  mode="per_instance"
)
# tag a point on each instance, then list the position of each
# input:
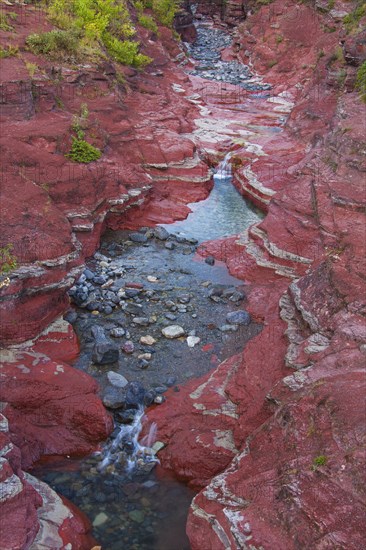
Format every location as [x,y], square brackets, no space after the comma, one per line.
[136,286]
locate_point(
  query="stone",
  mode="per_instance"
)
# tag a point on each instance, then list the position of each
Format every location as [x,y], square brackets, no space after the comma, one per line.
[193,341]
[152,279]
[146,356]
[147,340]
[170,316]
[210,260]
[184,298]
[104,352]
[141,321]
[137,516]
[173,331]
[117,332]
[161,233]
[170,245]
[138,237]
[229,328]
[116,379]
[128,347]
[239,317]
[135,394]
[100,519]
[113,397]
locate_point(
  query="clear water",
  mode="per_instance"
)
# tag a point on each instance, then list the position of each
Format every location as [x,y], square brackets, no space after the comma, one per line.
[225,212]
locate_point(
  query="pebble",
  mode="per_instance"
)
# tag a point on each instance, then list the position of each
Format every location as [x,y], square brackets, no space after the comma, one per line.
[193,341]
[136,515]
[240,317]
[161,233]
[146,356]
[152,279]
[142,321]
[170,316]
[128,347]
[138,237]
[173,331]
[210,260]
[159,399]
[100,519]
[116,379]
[229,328]
[170,245]
[147,340]
[117,332]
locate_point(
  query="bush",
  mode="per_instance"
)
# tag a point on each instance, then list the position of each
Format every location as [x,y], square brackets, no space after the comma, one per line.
[55,43]
[82,151]
[165,11]
[125,52]
[8,261]
[4,20]
[361,81]
[148,22]
[8,51]
[352,20]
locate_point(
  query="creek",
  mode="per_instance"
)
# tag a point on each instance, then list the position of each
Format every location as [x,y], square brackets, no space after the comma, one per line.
[136,286]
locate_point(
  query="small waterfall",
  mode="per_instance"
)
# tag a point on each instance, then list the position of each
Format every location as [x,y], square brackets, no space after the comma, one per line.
[223,171]
[125,449]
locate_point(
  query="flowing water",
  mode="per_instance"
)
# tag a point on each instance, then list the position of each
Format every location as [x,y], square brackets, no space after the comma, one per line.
[133,504]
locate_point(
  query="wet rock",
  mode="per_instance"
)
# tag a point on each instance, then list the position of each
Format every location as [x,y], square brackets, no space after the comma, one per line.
[116,379]
[147,340]
[128,347]
[113,398]
[173,331]
[71,317]
[117,332]
[138,237]
[170,245]
[193,341]
[170,381]
[104,352]
[135,393]
[141,321]
[210,260]
[240,317]
[161,233]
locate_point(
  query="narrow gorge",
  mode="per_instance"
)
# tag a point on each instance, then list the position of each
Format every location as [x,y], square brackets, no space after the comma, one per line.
[182,286]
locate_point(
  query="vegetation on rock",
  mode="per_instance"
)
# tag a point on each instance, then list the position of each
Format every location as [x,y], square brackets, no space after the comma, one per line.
[361,81]
[82,151]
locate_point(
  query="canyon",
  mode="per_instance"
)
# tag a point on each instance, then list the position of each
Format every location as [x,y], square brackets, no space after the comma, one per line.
[272,439]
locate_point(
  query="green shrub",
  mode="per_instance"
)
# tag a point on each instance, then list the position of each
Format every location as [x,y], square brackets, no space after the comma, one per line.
[82,151]
[165,11]
[148,22]
[4,20]
[8,261]
[361,81]
[352,20]
[125,52]
[8,51]
[55,43]
[320,460]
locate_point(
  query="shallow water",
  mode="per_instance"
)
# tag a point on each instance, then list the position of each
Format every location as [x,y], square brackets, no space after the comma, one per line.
[225,212]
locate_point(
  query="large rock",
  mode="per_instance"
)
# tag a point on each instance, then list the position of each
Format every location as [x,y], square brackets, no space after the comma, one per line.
[104,351]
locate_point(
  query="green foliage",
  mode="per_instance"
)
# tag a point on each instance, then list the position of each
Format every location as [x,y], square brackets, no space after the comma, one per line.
[4,20]
[8,261]
[165,11]
[8,51]
[97,25]
[352,20]
[32,68]
[126,51]
[148,22]
[279,39]
[320,460]
[55,43]
[82,151]
[361,81]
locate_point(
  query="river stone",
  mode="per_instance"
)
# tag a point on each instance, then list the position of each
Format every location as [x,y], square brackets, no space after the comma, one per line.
[173,331]
[134,395]
[136,515]
[100,519]
[104,352]
[161,233]
[192,341]
[117,332]
[128,347]
[147,340]
[138,237]
[142,321]
[210,260]
[116,379]
[240,317]
[113,398]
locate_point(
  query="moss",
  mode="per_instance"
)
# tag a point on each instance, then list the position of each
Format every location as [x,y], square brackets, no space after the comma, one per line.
[320,460]
[361,81]
[82,151]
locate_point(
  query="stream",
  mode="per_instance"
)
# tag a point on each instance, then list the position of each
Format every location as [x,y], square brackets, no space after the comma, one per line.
[151,315]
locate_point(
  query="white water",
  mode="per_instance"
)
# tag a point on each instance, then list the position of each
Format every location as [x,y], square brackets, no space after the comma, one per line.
[223,171]
[126,447]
